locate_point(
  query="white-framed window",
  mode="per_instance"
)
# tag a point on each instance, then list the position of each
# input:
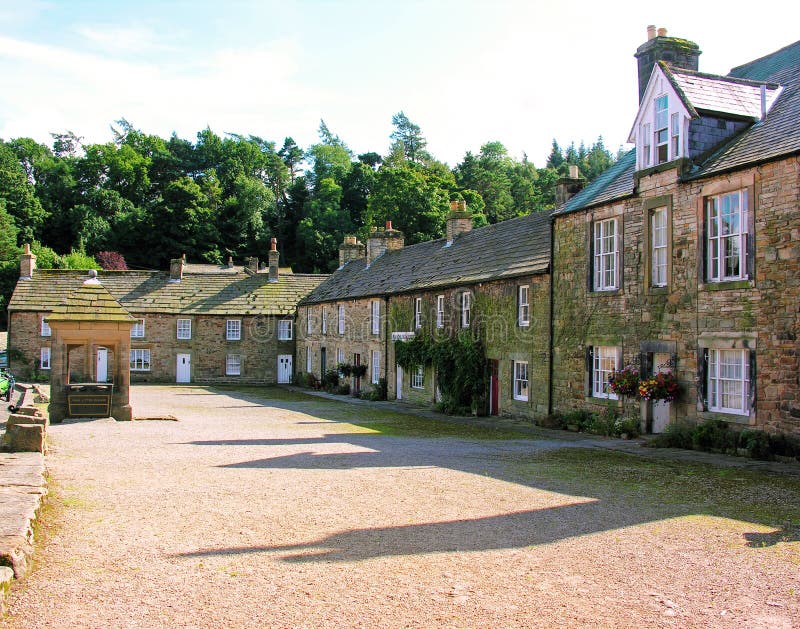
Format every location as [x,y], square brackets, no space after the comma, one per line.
[417,313]
[44,358]
[466,305]
[439,311]
[524,308]
[184,329]
[675,134]
[376,317]
[137,331]
[324,321]
[658,247]
[606,248]
[309,327]
[376,367]
[140,360]
[605,361]
[45,330]
[233,329]
[418,377]
[308,360]
[233,365]
[340,356]
[729,381]
[521,380]
[646,145]
[340,319]
[285,330]
[727,226]
[661,118]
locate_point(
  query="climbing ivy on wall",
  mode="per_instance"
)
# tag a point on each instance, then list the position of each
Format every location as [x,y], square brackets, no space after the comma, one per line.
[460,364]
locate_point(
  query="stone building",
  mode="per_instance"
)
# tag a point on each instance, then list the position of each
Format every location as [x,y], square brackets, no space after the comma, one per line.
[492,282]
[684,255]
[198,323]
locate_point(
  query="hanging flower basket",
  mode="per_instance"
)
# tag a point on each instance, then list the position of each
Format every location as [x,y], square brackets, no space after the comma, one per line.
[661,387]
[625,381]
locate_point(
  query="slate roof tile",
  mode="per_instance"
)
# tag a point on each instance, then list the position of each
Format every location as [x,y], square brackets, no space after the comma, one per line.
[515,247]
[152,292]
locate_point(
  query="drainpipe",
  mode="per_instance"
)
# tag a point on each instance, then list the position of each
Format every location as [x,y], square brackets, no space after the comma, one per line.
[386,345]
[550,323]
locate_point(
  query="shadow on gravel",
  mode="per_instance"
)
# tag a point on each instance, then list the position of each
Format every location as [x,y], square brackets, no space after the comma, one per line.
[597,490]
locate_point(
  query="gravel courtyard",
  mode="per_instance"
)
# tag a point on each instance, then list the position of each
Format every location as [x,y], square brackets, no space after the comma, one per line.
[282,512]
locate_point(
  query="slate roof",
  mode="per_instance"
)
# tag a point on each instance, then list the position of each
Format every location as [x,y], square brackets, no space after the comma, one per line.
[614,183]
[519,246]
[90,302]
[142,292]
[776,136]
[720,94]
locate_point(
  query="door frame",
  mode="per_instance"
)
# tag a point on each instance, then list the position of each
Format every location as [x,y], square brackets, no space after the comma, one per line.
[101,351]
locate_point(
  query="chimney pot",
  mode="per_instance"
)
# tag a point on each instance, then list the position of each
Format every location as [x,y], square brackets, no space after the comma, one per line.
[574,173]
[273,244]
[651,32]
[388,225]
[459,221]
[27,263]
[662,32]
[350,249]
[176,269]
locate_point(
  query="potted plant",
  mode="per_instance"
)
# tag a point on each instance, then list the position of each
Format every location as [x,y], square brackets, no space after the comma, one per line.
[624,382]
[661,387]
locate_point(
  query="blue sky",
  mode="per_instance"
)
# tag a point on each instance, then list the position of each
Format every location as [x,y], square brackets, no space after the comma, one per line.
[467,72]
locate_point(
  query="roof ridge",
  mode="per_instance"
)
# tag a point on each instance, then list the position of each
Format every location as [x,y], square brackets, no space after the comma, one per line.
[724,77]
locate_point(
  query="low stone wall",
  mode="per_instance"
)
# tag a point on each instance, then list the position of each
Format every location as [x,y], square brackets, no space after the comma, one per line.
[26,428]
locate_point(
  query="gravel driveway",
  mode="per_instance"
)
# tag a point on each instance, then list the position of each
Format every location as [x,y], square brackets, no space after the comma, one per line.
[247,515]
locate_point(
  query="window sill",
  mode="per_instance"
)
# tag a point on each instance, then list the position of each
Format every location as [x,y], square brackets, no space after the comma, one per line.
[731,418]
[658,290]
[605,293]
[728,285]
[520,399]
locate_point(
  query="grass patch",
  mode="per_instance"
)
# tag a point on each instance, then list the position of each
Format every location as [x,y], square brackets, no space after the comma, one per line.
[376,420]
[668,488]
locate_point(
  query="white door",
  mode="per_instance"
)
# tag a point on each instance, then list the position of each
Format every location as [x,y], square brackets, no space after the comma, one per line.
[661,409]
[102,365]
[399,387]
[284,368]
[183,372]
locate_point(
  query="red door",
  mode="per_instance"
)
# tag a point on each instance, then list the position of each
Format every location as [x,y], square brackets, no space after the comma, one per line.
[494,389]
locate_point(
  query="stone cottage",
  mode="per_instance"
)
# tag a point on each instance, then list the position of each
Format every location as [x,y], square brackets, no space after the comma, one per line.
[492,283]
[198,323]
[684,255]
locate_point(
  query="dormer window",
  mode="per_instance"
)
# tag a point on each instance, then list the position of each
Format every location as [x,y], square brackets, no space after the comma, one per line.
[662,129]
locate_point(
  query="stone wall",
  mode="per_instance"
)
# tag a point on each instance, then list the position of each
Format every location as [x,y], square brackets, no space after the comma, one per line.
[208,348]
[760,313]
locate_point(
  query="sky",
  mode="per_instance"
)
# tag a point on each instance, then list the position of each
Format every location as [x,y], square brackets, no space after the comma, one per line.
[467,72]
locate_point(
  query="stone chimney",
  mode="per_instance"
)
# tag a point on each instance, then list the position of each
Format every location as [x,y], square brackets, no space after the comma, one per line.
[27,263]
[568,187]
[230,262]
[382,241]
[274,256]
[459,221]
[351,249]
[678,53]
[176,268]
[251,264]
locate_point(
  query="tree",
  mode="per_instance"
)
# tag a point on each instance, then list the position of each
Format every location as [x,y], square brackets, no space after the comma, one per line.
[111,261]
[408,138]
[19,196]
[556,157]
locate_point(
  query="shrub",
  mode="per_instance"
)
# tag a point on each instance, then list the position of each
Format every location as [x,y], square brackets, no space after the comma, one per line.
[345,369]
[343,389]
[605,423]
[331,380]
[581,418]
[677,435]
[714,435]
[757,444]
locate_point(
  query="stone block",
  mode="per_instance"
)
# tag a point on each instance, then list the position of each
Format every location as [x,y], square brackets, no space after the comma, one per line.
[25,437]
[19,418]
